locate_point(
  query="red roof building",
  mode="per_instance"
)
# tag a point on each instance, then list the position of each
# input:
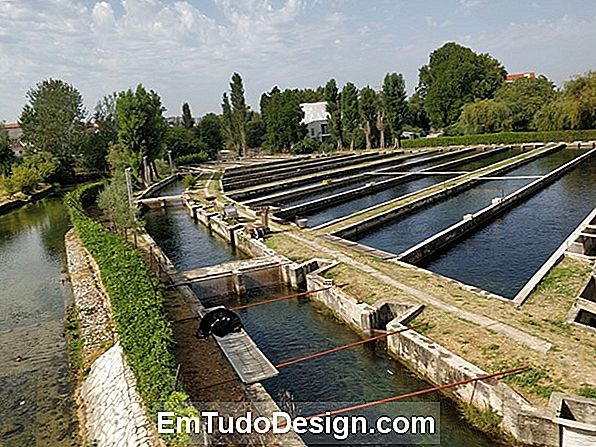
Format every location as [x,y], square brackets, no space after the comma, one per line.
[515,76]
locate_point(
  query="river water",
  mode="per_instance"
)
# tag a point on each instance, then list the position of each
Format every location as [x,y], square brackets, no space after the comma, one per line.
[290,329]
[36,407]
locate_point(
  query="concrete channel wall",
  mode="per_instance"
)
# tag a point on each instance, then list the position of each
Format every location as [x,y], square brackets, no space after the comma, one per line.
[156,187]
[388,160]
[526,423]
[455,232]
[249,180]
[378,220]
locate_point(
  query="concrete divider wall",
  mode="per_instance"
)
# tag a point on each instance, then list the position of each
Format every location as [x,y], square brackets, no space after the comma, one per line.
[455,232]
[156,187]
[378,220]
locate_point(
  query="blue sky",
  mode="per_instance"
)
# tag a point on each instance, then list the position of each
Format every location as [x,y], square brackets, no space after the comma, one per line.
[187,50]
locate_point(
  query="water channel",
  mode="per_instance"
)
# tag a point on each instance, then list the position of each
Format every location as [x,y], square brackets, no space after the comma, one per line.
[36,404]
[291,329]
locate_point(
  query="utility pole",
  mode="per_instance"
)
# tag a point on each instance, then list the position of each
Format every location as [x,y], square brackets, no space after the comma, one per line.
[128,186]
[171,162]
[146,171]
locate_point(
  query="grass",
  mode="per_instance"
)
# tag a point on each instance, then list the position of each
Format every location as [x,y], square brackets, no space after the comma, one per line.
[486,420]
[570,362]
[74,342]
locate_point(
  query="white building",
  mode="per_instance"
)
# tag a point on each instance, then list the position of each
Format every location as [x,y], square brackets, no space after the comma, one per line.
[315,119]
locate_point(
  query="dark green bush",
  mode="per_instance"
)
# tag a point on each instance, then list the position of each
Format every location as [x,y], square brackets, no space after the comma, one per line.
[199,157]
[503,138]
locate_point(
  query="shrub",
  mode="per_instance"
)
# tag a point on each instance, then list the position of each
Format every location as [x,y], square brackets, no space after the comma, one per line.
[188,180]
[306,146]
[199,157]
[503,138]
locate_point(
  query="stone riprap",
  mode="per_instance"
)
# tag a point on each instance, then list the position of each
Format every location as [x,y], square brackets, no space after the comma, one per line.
[113,410]
[92,304]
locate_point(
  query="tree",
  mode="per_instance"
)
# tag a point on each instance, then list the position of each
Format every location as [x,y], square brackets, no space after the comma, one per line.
[93,146]
[350,116]
[524,97]
[141,129]
[113,201]
[485,116]
[209,132]
[381,116]
[256,129]
[7,157]
[573,108]
[332,97]
[53,119]
[239,112]
[283,116]
[368,112]
[455,76]
[417,116]
[394,99]
[187,121]
[227,122]
[182,141]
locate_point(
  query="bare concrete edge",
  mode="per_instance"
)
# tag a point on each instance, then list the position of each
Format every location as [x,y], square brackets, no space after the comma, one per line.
[388,215]
[152,189]
[555,258]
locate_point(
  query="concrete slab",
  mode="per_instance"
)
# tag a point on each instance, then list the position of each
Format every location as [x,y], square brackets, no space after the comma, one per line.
[246,358]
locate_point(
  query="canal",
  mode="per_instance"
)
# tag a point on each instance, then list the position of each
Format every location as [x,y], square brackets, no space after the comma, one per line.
[399,235]
[36,404]
[502,256]
[345,209]
[294,328]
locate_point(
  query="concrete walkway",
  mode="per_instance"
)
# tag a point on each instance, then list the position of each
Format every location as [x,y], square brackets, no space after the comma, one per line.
[524,338]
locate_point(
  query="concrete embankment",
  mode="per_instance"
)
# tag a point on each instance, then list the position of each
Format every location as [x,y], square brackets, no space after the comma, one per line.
[156,187]
[11,205]
[390,159]
[373,186]
[528,424]
[377,220]
[448,236]
[248,180]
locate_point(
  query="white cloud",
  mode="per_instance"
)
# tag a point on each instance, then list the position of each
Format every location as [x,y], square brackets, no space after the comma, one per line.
[470,4]
[433,23]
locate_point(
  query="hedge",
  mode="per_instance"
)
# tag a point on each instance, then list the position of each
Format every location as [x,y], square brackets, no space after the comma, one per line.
[504,138]
[137,303]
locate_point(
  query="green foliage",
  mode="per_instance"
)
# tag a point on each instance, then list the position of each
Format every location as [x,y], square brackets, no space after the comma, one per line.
[239,112]
[485,116]
[188,180]
[417,117]
[26,176]
[256,129]
[190,159]
[350,115]
[209,132]
[454,76]
[524,97]
[52,120]
[141,127]
[394,104]
[487,420]
[137,303]
[282,115]
[503,138]
[227,124]
[113,201]
[182,141]
[7,156]
[306,146]
[332,97]
[574,108]
[178,404]
[587,391]
[187,121]
[368,112]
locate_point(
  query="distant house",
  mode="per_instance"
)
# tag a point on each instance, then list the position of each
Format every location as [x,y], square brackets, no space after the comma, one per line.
[15,133]
[315,119]
[515,76]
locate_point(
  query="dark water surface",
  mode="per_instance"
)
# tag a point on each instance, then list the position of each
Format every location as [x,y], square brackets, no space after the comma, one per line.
[36,406]
[294,328]
[502,256]
[399,235]
[345,209]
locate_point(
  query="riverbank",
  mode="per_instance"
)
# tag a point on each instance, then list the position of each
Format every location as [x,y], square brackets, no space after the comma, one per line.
[8,205]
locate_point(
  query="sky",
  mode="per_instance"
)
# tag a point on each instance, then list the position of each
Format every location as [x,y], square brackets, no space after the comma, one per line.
[188,50]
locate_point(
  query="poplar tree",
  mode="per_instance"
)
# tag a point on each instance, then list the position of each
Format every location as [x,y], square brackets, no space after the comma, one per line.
[239,112]
[350,115]
[395,105]
[332,97]
[226,122]
[187,121]
[368,112]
